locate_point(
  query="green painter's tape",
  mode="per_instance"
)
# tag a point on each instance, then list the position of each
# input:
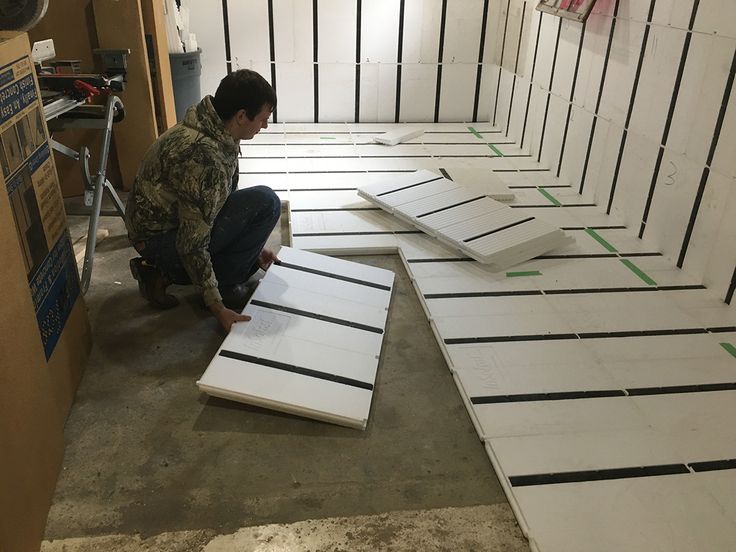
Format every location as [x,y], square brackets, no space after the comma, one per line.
[494,148]
[477,134]
[327,138]
[549,196]
[638,271]
[528,273]
[597,237]
[730,348]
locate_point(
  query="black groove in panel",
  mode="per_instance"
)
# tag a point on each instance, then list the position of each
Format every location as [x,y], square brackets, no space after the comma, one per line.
[450,206]
[399,55]
[713,465]
[706,170]
[440,52]
[632,99]
[596,475]
[334,276]
[557,396]
[226,36]
[731,288]
[549,92]
[670,114]
[315,49]
[509,338]
[481,49]
[673,389]
[317,316]
[409,186]
[481,293]
[445,174]
[572,96]
[531,83]
[604,71]
[357,60]
[516,67]
[272,53]
[495,230]
[296,369]
[500,66]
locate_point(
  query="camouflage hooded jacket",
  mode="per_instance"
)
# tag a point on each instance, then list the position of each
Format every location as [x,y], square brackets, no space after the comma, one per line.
[182,183]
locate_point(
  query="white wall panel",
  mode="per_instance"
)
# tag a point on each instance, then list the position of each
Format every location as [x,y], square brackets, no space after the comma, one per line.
[518,108]
[379,31]
[487,92]
[512,34]
[701,93]
[592,59]
[296,92]
[206,23]
[722,261]
[546,51]
[504,92]
[457,92]
[418,83]
[421,31]
[634,178]
[377,92]
[293,31]
[249,42]
[724,161]
[336,92]
[556,117]
[336,31]
[673,13]
[657,80]
[622,63]
[602,162]
[717,16]
[566,56]
[529,40]
[576,145]
[462,31]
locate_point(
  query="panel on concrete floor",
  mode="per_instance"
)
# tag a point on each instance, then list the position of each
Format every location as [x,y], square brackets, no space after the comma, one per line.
[313,344]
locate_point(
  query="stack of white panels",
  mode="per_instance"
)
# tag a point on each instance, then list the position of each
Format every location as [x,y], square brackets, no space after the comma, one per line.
[401,134]
[313,343]
[480,227]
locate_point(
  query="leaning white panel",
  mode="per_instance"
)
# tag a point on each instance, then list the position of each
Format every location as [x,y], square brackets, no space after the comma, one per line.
[477,225]
[313,343]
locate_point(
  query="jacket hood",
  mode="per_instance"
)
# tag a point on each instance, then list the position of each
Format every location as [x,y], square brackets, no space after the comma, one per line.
[203,118]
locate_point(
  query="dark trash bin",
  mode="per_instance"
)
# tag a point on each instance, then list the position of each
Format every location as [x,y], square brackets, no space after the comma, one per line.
[186,69]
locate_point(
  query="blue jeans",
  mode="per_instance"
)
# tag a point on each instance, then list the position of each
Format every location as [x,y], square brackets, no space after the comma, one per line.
[239,232]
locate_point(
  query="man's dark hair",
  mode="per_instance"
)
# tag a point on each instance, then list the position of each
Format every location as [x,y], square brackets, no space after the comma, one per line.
[243,89]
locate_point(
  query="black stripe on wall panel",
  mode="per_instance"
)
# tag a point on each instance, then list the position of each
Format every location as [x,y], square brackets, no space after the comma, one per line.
[500,65]
[226,34]
[450,206]
[495,230]
[272,50]
[440,52]
[531,83]
[399,57]
[549,92]
[572,96]
[357,60]
[632,99]
[480,293]
[596,475]
[296,369]
[481,51]
[670,114]
[409,186]
[559,396]
[317,316]
[598,100]
[731,288]
[516,67]
[706,170]
[583,335]
[713,465]
[315,49]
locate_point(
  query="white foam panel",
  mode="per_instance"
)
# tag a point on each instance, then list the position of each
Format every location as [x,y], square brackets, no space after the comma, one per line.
[313,343]
[480,227]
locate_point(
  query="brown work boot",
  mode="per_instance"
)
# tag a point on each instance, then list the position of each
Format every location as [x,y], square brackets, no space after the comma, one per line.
[152,284]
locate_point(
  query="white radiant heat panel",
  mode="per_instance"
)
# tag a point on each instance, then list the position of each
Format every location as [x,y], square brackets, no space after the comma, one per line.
[465,218]
[313,343]
[401,134]
[483,181]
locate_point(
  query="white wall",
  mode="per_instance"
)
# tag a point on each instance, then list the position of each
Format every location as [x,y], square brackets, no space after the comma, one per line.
[689,202]
[454,27]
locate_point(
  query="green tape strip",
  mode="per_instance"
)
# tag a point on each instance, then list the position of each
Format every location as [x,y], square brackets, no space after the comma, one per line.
[327,138]
[495,149]
[549,196]
[730,348]
[528,273]
[638,271]
[597,237]
[477,134]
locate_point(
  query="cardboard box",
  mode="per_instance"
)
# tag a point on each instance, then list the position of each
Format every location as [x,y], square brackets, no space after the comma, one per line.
[44,329]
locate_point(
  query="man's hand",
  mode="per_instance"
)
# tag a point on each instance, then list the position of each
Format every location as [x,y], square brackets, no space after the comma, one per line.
[266,258]
[227,317]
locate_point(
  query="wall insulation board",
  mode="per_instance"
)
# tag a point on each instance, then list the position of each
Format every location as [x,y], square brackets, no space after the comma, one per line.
[480,227]
[313,343]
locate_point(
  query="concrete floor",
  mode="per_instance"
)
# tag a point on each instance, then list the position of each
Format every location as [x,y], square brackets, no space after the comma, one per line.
[153,464]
